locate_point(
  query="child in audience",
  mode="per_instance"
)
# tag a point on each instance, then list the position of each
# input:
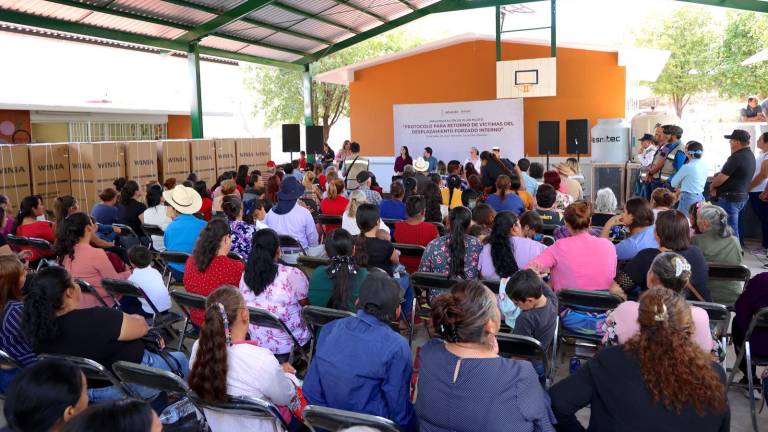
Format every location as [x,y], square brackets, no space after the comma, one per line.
[538,306]
[149,280]
[546,200]
[532,225]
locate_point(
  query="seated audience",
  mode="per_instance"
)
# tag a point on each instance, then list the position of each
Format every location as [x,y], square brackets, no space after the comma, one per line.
[83,261]
[361,365]
[13,275]
[335,203]
[130,211]
[673,235]
[452,193]
[463,372]
[506,250]
[27,224]
[483,214]
[370,250]
[719,245]
[6,216]
[257,213]
[481,232]
[280,289]
[206,203]
[181,234]
[538,307]
[562,198]
[45,396]
[546,198]
[605,207]
[457,253]
[337,284]
[225,363]
[658,380]
[365,180]
[228,188]
[209,267]
[394,208]
[662,200]
[668,270]
[531,185]
[568,264]
[105,212]
[55,323]
[754,298]
[242,232]
[157,213]
[568,178]
[638,218]
[290,219]
[349,219]
[414,230]
[531,225]
[312,191]
[149,280]
[433,203]
[473,193]
[504,199]
[127,415]
[273,187]
[66,205]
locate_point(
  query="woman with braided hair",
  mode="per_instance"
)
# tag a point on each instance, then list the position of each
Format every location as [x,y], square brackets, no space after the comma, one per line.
[224,363]
[659,380]
[337,284]
[462,371]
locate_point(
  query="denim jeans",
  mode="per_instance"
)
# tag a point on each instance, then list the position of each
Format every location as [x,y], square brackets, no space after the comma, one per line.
[761,210]
[688,199]
[733,208]
[149,359]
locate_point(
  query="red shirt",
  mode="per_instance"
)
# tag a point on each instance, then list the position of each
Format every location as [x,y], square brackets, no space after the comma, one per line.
[302,163]
[420,234]
[207,209]
[39,229]
[333,207]
[321,181]
[221,271]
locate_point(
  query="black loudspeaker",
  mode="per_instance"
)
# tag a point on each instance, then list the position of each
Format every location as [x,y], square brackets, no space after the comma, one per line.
[291,138]
[577,136]
[314,139]
[549,137]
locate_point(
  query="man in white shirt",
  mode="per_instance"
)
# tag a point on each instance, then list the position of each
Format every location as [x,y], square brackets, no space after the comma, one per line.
[646,151]
[474,159]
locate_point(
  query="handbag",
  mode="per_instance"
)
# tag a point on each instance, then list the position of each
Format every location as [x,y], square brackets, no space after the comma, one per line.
[152,343]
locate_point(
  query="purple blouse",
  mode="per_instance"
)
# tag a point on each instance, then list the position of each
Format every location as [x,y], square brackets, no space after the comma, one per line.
[400,163]
[523,248]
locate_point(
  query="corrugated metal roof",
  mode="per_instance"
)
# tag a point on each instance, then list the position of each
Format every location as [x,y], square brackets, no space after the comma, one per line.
[286,40]
[171,12]
[221,43]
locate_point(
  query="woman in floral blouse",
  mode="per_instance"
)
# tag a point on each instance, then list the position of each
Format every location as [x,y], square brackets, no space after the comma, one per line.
[280,289]
[457,253]
[242,232]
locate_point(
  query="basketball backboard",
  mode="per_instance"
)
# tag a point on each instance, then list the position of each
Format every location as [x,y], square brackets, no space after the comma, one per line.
[526,78]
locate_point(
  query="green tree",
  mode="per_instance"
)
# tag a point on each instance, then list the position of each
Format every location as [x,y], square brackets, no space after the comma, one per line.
[279,93]
[745,35]
[693,39]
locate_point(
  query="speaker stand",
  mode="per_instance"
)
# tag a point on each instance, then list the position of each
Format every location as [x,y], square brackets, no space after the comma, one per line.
[547,161]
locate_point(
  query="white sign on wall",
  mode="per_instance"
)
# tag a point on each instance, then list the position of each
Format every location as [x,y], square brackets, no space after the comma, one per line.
[451,129]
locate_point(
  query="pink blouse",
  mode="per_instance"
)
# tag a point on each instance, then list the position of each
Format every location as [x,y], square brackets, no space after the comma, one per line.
[282,299]
[92,265]
[581,262]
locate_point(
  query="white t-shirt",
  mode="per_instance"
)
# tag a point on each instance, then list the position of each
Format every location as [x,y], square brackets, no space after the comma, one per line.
[350,225]
[758,163]
[251,371]
[151,281]
[158,215]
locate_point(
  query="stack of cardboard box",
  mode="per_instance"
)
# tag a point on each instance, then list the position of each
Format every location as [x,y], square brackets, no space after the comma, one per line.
[254,152]
[93,168]
[203,157]
[174,159]
[14,173]
[49,166]
[141,161]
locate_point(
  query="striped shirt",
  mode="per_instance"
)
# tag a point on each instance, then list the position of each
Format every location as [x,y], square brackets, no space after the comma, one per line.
[12,339]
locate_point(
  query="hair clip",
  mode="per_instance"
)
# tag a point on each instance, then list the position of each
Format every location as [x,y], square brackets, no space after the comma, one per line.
[663,315]
[681,266]
[225,320]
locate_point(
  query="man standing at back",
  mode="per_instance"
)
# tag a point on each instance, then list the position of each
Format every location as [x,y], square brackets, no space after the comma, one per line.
[353,164]
[360,364]
[669,158]
[731,184]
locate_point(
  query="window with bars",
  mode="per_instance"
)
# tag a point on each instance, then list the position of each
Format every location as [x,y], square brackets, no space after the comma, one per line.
[103,131]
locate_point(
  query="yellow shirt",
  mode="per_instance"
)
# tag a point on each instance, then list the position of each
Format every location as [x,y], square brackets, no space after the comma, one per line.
[456,199]
[527,199]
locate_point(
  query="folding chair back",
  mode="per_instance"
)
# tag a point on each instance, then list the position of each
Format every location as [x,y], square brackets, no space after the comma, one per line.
[174,257]
[524,347]
[236,256]
[309,264]
[125,230]
[327,221]
[43,247]
[152,230]
[157,379]
[17,242]
[759,321]
[87,288]
[390,223]
[410,255]
[441,229]
[719,321]
[729,272]
[549,230]
[493,285]
[118,287]
[264,318]
[93,371]
[288,242]
[6,361]
[429,282]
[186,302]
[316,317]
[331,419]
[246,407]
[586,301]
[547,240]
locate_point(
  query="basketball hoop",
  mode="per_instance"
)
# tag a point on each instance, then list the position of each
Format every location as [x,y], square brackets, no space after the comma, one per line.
[523,88]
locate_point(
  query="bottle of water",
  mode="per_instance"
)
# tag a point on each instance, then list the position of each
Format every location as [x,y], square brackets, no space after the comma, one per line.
[177,411]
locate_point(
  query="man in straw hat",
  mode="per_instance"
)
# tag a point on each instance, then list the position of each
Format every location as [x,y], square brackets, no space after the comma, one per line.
[289,218]
[574,187]
[181,234]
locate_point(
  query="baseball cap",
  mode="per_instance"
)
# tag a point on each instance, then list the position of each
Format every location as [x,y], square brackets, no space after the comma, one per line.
[363,176]
[380,290]
[739,135]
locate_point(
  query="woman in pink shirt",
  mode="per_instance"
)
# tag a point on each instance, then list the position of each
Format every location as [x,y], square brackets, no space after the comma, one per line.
[581,261]
[83,261]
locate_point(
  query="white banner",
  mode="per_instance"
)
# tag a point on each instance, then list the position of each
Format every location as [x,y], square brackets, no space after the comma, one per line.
[450,129]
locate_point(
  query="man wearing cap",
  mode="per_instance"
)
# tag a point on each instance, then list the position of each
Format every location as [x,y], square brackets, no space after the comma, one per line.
[181,234]
[668,159]
[421,166]
[645,153]
[353,164]
[364,182]
[360,364]
[731,184]
[289,218]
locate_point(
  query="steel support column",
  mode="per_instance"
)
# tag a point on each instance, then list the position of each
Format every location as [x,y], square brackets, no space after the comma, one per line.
[553,29]
[196,100]
[498,33]
[307,93]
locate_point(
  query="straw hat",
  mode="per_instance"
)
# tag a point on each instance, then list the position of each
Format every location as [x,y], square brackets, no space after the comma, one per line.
[564,169]
[184,200]
[420,165]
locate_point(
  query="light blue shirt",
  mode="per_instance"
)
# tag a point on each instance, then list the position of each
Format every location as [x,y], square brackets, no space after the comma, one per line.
[629,247]
[181,236]
[432,161]
[531,185]
[691,177]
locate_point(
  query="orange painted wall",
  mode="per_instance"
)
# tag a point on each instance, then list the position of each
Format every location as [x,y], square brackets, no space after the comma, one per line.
[590,85]
[179,126]
[20,119]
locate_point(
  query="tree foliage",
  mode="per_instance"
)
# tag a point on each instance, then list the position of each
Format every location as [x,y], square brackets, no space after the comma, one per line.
[744,35]
[690,34]
[279,93]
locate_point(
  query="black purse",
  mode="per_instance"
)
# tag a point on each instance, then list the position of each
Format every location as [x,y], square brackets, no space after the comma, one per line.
[152,343]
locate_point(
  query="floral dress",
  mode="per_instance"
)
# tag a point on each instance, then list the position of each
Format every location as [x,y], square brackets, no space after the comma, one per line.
[282,299]
[436,258]
[242,236]
[563,200]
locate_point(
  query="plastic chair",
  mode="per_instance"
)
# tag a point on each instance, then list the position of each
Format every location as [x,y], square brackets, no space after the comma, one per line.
[528,348]
[87,288]
[759,321]
[93,371]
[246,407]
[316,317]
[264,318]
[288,242]
[719,321]
[319,418]
[117,287]
[186,302]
